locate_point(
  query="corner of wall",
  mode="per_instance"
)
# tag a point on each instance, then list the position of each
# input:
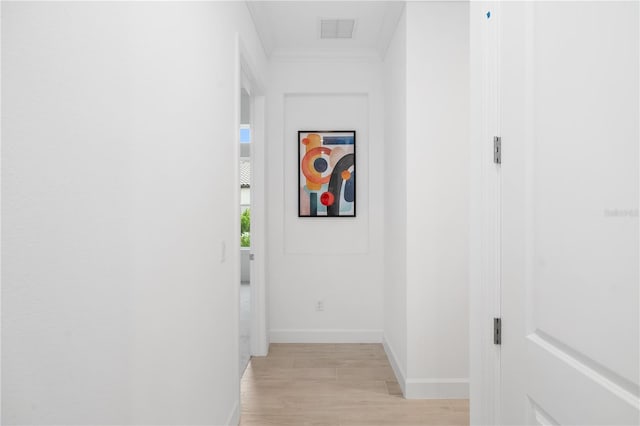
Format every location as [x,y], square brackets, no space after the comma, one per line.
[425,388]
[395,365]
[234,416]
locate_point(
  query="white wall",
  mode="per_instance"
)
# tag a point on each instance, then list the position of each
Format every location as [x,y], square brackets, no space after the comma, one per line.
[437,198]
[395,188]
[336,260]
[119,139]
[426,216]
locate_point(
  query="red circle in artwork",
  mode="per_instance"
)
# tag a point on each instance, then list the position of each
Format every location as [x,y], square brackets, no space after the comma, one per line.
[327,199]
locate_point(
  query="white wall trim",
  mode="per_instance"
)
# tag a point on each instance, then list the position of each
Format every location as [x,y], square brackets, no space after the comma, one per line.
[362,206]
[257,12]
[234,417]
[259,311]
[426,388]
[395,365]
[1,227]
[325,336]
[485,222]
[257,267]
[445,388]
[389,26]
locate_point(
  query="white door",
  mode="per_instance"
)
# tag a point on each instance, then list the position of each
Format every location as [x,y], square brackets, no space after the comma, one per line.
[570,271]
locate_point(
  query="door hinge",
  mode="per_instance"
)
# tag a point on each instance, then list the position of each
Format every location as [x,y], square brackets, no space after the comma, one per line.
[497,331]
[497,149]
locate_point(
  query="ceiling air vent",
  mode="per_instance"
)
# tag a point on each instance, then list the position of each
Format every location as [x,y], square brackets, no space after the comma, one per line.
[337,28]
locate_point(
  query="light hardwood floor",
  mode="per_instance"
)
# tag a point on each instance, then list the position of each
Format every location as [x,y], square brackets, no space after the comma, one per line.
[335,385]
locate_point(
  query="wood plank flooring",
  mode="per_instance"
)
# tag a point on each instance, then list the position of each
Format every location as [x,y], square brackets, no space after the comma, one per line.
[335,385]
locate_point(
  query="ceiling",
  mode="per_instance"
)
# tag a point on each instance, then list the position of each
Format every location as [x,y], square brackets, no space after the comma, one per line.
[290,27]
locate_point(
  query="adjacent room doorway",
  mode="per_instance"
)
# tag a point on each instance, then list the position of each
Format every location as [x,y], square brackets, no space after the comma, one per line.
[245,228]
[250,187]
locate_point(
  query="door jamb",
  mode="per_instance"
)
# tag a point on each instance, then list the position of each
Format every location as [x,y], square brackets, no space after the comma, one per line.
[246,75]
[485,215]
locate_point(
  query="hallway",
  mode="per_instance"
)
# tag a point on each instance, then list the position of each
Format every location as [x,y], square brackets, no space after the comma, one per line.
[335,384]
[492,264]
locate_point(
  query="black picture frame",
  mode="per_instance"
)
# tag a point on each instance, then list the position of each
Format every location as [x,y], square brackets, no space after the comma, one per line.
[331,159]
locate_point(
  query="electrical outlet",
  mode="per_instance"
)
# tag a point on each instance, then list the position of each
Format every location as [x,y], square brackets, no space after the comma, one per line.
[320,305]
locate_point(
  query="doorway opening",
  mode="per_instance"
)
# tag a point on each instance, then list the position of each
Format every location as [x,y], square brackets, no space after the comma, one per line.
[245,229]
[250,184]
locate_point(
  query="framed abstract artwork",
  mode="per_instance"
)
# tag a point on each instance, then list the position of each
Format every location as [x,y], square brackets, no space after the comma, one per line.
[326,173]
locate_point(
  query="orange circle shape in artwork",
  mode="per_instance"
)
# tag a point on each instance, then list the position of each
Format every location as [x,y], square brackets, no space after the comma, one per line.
[346,175]
[311,174]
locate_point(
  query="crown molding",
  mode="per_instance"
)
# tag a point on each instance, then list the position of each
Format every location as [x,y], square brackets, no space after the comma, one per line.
[258,15]
[389,26]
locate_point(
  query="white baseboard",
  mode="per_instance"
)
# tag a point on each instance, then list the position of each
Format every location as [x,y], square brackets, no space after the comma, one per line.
[234,417]
[426,388]
[444,388]
[395,365]
[325,336]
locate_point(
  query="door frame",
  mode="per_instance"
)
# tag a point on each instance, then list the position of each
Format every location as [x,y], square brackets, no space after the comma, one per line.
[485,214]
[254,84]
